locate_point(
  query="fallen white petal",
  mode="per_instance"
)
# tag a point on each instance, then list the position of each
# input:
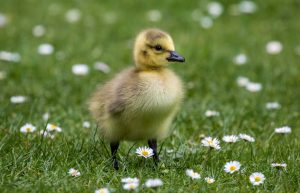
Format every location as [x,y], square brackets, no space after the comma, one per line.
[247,7]
[86,124]
[154,15]
[215,9]
[240,59]
[274,47]
[45,49]
[38,30]
[73,15]
[10,56]
[3,20]
[102,67]
[206,22]
[80,69]
[253,87]
[242,81]
[17,99]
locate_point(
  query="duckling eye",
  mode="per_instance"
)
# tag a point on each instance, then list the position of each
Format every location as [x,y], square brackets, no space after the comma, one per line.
[158,47]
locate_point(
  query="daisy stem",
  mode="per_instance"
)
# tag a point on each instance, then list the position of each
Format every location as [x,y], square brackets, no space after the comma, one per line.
[27,142]
[268,140]
[270,137]
[207,157]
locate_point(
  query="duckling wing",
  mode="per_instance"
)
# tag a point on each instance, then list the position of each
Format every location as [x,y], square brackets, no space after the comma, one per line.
[116,107]
[110,99]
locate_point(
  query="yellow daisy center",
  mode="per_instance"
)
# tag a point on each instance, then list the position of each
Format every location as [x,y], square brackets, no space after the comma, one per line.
[101,191]
[232,168]
[53,126]
[257,178]
[145,153]
[131,186]
[210,142]
[28,129]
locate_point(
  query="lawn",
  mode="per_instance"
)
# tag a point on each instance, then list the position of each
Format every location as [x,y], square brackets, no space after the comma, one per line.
[105,32]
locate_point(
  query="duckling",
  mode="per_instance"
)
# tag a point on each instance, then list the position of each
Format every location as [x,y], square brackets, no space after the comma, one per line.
[140,102]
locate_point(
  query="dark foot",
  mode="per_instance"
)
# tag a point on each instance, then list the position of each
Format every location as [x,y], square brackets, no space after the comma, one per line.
[114,148]
[153,145]
[116,164]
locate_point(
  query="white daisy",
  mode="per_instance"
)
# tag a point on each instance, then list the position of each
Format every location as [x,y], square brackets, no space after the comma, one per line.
[242,81]
[192,174]
[80,69]
[3,20]
[73,15]
[209,180]
[247,7]
[86,124]
[273,47]
[102,67]
[240,59]
[284,129]
[215,9]
[246,137]
[38,30]
[279,165]
[257,178]
[18,99]
[211,113]
[211,142]
[2,75]
[153,183]
[51,127]
[145,152]
[46,116]
[10,56]
[130,180]
[232,166]
[45,49]
[28,128]
[206,22]
[102,190]
[273,105]
[253,87]
[73,172]
[154,15]
[230,138]
[130,186]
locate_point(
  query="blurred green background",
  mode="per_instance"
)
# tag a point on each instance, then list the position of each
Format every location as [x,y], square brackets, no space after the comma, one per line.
[104,31]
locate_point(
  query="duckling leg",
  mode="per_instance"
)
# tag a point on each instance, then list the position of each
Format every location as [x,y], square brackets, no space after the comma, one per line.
[114,148]
[153,145]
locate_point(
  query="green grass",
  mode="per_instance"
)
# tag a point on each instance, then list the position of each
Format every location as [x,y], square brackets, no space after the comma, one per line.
[30,163]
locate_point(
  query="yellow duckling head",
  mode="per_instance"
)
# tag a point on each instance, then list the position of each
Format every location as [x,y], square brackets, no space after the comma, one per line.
[154,49]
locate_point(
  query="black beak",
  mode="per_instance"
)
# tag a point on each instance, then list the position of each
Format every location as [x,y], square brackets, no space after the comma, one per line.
[175,57]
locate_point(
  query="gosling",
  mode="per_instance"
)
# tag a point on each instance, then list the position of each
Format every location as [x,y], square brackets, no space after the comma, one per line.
[140,102]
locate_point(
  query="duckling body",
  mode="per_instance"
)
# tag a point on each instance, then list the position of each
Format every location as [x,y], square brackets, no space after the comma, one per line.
[141,102]
[138,105]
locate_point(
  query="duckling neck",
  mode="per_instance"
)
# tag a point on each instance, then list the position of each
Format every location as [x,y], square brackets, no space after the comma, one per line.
[149,68]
